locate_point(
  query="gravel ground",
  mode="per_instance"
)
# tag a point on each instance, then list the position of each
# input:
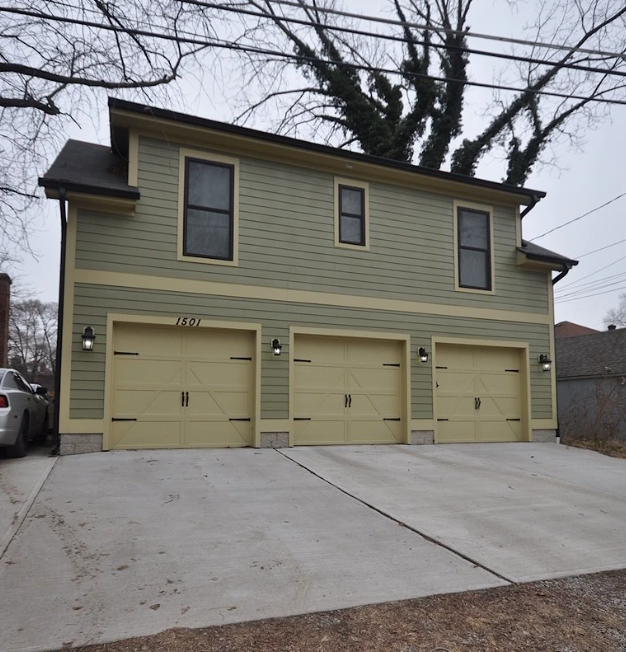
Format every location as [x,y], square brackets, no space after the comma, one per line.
[576,614]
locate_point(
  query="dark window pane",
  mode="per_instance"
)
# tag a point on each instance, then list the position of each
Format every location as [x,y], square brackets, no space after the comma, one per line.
[351,201]
[9,381]
[207,234]
[473,229]
[351,230]
[474,269]
[208,185]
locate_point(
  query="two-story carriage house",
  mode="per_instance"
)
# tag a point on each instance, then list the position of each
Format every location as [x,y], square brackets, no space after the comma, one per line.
[247,289]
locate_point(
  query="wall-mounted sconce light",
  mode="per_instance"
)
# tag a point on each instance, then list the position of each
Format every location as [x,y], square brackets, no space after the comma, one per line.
[545,362]
[88,338]
[423,354]
[277,347]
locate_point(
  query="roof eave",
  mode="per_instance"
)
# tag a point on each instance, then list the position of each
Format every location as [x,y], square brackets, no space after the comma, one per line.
[150,114]
[87,189]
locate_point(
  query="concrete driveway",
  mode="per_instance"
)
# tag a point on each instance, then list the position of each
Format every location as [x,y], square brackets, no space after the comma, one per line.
[131,543]
[20,482]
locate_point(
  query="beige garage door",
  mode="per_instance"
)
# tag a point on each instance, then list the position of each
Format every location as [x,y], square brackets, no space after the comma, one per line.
[479,394]
[347,391]
[181,388]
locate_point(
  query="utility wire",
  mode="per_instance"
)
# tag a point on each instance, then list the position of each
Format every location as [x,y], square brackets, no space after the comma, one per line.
[595,251]
[580,217]
[300,58]
[597,271]
[589,285]
[445,30]
[593,287]
[400,39]
[588,296]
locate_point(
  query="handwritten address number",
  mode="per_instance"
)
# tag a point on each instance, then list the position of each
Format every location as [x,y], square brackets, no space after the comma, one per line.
[188,321]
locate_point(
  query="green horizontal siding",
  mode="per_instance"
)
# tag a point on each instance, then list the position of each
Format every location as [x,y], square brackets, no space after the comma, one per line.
[94,302]
[287,238]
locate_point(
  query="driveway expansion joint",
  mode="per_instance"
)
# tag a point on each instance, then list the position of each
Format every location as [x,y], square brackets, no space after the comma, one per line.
[6,540]
[386,515]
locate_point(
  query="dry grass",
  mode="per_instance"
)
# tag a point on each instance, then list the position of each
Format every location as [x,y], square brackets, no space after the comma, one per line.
[610,447]
[578,614]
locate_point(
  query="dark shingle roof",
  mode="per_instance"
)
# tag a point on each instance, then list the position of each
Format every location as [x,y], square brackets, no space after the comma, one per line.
[591,355]
[86,167]
[535,252]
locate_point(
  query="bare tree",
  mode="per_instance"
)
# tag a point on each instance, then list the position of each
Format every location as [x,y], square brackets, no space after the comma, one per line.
[33,337]
[331,91]
[55,57]
[617,315]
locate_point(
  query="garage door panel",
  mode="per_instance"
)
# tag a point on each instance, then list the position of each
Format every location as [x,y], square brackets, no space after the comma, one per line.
[193,363]
[386,379]
[323,431]
[368,352]
[218,433]
[162,403]
[160,433]
[363,369]
[456,431]
[320,349]
[140,372]
[499,430]
[148,340]
[312,376]
[491,374]
[221,345]
[374,431]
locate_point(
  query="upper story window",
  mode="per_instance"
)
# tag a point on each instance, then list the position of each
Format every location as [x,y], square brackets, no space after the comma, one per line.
[208,208]
[351,214]
[474,266]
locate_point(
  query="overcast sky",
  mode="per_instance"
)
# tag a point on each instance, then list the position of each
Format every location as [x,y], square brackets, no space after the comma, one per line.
[585,180]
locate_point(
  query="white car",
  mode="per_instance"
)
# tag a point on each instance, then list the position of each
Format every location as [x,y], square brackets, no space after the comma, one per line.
[23,416]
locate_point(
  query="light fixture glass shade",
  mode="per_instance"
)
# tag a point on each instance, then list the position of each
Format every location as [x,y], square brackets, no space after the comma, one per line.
[423,354]
[88,338]
[277,347]
[545,362]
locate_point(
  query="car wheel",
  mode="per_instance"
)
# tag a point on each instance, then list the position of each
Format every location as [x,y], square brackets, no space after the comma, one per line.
[20,447]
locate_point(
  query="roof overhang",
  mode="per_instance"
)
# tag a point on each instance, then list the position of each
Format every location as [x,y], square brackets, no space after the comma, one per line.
[95,197]
[201,132]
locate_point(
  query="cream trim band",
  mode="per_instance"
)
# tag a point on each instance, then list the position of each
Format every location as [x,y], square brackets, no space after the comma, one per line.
[236,290]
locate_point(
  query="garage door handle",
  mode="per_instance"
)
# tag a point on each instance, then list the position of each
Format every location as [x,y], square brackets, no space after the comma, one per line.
[182,399]
[248,419]
[476,403]
[349,400]
[397,419]
[186,399]
[345,400]
[120,419]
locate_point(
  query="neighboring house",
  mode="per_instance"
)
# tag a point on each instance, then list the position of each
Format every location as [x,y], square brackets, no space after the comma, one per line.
[5,306]
[569,329]
[247,289]
[591,383]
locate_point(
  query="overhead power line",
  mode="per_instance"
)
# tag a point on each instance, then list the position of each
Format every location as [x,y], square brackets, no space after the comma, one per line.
[595,251]
[580,217]
[589,296]
[445,30]
[196,40]
[399,39]
[597,271]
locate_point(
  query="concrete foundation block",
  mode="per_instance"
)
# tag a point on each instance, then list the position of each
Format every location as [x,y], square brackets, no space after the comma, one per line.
[419,437]
[78,444]
[274,440]
[544,436]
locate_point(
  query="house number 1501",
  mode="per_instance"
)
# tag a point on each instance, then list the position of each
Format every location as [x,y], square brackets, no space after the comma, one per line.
[188,321]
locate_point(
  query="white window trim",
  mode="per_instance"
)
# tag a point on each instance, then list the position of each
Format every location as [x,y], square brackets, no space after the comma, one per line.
[354,183]
[210,158]
[456,204]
